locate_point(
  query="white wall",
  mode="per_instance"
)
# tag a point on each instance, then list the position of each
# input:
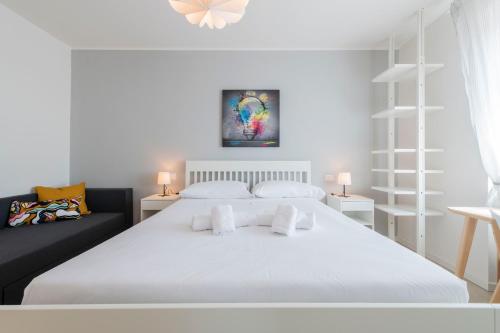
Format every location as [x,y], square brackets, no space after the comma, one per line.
[464,182]
[135,113]
[35,92]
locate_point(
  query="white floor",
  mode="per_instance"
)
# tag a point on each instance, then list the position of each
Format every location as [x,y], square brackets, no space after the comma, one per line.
[478,294]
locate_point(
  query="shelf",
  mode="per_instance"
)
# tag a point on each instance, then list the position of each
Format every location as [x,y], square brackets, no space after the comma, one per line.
[404,72]
[406,210]
[361,221]
[404,112]
[404,190]
[408,171]
[398,171]
[406,150]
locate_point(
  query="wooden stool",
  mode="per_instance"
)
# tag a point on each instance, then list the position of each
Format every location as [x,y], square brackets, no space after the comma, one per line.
[472,216]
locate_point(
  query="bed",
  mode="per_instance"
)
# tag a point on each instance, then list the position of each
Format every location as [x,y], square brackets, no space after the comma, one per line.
[161,260]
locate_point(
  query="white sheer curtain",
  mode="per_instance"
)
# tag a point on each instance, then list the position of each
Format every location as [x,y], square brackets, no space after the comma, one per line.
[477,23]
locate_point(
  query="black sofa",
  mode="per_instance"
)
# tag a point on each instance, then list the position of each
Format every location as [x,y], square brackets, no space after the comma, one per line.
[28,251]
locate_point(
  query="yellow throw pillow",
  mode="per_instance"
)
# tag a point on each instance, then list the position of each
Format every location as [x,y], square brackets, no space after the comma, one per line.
[68,192]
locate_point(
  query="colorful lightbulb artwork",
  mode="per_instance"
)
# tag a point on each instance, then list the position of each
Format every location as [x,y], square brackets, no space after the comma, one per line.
[250,118]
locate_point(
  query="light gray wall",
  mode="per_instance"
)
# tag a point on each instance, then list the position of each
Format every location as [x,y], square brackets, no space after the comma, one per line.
[135,113]
[464,182]
[35,79]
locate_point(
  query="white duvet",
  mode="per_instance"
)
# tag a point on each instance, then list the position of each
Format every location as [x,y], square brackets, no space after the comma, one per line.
[162,260]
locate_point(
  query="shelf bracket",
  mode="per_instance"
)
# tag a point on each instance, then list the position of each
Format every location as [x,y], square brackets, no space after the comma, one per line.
[420,158]
[391,140]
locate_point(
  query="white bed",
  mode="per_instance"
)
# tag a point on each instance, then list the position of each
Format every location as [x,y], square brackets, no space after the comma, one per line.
[162,261]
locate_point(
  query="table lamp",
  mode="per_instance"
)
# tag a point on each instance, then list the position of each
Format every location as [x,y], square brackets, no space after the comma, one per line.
[164,179]
[344,179]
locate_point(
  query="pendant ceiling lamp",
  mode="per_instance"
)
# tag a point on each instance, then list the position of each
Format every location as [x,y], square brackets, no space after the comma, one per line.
[213,13]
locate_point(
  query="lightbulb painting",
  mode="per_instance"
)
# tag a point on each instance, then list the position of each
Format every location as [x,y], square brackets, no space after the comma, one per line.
[250,118]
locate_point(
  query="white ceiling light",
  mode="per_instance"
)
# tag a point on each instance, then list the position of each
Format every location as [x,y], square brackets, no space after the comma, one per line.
[214,13]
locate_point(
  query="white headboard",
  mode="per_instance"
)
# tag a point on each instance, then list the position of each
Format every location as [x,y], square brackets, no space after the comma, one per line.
[250,172]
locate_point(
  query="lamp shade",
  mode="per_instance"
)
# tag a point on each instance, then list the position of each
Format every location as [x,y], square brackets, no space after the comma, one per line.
[344,178]
[164,178]
[329,178]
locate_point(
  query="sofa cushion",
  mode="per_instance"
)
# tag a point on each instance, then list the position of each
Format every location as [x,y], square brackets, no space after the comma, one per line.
[30,248]
[67,192]
[5,206]
[38,212]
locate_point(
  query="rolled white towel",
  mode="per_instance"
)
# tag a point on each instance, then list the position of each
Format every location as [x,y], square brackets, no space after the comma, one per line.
[264,220]
[222,219]
[285,220]
[305,221]
[245,219]
[241,219]
[201,223]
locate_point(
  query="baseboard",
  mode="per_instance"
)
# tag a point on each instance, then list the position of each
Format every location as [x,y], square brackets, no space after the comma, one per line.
[474,278]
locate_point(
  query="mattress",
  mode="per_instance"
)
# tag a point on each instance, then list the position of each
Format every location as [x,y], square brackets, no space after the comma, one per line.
[161,260]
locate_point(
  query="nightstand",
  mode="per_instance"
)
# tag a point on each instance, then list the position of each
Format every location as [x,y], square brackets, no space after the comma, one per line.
[154,203]
[357,207]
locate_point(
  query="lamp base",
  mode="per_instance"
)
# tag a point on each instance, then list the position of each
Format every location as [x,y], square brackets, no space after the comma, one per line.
[167,192]
[343,195]
[164,191]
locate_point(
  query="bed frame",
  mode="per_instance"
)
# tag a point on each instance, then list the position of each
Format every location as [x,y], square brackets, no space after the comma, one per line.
[249,172]
[243,318]
[251,318]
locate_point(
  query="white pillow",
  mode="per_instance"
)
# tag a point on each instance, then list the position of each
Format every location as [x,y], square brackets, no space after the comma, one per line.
[217,190]
[287,189]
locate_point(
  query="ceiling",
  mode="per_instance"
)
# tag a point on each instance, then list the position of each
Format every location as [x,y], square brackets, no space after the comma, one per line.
[267,24]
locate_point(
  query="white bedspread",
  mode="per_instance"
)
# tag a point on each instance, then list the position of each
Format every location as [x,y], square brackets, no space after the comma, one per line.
[161,260]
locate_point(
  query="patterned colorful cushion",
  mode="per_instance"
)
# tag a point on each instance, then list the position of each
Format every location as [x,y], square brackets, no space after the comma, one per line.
[72,212]
[43,212]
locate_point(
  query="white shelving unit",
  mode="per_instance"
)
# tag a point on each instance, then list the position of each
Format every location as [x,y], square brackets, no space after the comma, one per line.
[406,150]
[404,72]
[404,190]
[404,112]
[399,73]
[407,171]
[405,210]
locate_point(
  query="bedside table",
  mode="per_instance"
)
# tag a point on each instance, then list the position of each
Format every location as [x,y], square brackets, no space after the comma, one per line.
[357,207]
[154,203]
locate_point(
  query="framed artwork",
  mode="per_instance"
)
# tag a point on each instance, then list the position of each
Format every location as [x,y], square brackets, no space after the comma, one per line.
[250,118]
